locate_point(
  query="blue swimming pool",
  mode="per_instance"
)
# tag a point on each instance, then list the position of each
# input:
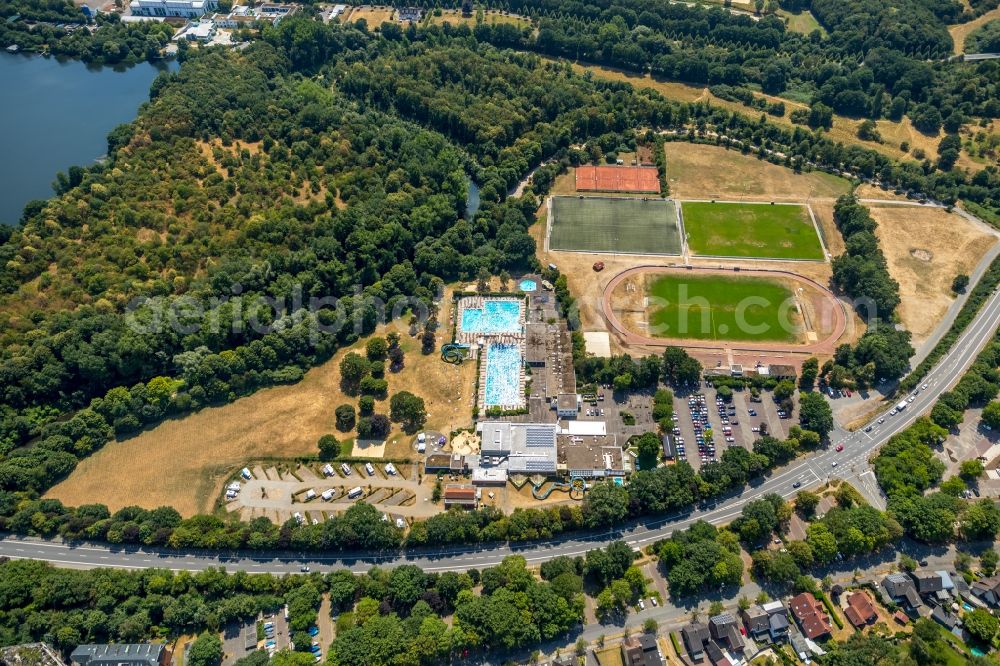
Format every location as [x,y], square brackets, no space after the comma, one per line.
[494,317]
[527,285]
[503,376]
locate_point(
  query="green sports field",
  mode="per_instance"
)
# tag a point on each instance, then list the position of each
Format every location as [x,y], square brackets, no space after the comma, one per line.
[598,224]
[751,230]
[719,307]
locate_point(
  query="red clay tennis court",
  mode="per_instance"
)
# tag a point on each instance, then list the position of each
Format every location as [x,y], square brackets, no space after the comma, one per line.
[617,179]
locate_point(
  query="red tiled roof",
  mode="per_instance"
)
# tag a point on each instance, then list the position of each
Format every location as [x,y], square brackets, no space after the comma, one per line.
[810,615]
[862,607]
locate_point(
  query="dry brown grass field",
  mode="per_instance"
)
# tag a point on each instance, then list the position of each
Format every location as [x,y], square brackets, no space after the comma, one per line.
[961,31]
[926,248]
[698,171]
[491,17]
[183,463]
[375,15]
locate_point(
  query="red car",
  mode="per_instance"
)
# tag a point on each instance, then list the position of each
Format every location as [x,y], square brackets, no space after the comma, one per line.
[840,447]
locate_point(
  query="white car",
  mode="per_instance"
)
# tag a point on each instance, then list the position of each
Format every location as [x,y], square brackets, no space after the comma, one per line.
[653,601]
[924,387]
[642,605]
[833,464]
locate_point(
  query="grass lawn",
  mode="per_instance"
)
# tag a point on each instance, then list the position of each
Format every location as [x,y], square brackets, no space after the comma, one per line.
[718,307]
[599,224]
[751,230]
[802,21]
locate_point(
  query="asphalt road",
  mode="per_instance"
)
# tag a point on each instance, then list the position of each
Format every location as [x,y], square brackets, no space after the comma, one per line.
[808,471]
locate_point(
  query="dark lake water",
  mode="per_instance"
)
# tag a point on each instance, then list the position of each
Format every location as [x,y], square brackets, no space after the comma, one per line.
[55,115]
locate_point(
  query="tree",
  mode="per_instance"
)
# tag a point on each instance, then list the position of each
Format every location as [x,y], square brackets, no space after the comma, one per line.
[605,504]
[981,520]
[991,414]
[783,390]
[346,417]
[408,409]
[988,560]
[650,626]
[648,447]
[970,470]
[366,405]
[868,131]
[815,414]
[981,624]
[376,426]
[205,651]
[960,283]
[329,447]
[376,349]
[806,502]
[807,376]
[353,368]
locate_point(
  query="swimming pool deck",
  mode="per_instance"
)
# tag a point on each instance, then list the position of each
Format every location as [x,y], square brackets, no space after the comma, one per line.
[481,341]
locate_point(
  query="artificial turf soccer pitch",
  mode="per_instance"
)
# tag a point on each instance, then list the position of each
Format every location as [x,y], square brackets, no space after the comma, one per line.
[759,231]
[598,224]
[719,307]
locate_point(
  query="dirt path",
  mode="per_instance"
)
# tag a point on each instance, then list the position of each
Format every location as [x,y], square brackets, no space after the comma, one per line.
[961,31]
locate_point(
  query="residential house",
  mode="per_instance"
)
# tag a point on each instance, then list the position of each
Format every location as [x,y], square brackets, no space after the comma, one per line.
[987,590]
[900,589]
[695,635]
[860,611]
[641,650]
[777,618]
[726,632]
[943,617]
[125,654]
[928,583]
[811,615]
[756,621]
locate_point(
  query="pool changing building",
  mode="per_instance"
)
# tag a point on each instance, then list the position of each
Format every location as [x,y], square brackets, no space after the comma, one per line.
[516,448]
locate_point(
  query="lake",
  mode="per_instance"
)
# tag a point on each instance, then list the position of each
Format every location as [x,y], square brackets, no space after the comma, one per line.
[58,114]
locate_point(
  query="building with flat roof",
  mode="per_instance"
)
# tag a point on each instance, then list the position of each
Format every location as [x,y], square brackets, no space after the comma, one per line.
[523,448]
[125,654]
[489,476]
[182,8]
[591,456]
[567,405]
[443,462]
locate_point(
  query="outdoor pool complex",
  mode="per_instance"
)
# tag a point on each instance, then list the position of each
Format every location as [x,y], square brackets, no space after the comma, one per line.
[527,285]
[494,317]
[503,376]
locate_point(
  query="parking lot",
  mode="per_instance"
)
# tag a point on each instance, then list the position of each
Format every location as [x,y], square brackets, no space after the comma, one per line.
[694,413]
[738,422]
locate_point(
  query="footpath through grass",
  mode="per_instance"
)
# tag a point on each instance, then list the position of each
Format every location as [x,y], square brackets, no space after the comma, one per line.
[751,230]
[719,307]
